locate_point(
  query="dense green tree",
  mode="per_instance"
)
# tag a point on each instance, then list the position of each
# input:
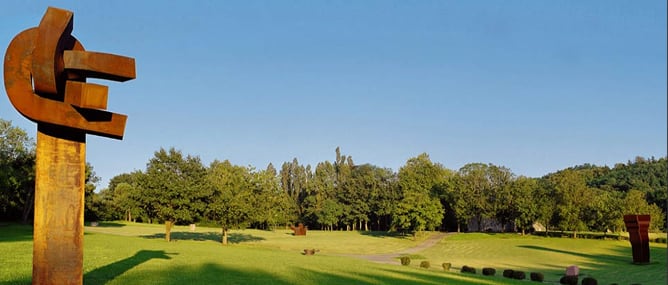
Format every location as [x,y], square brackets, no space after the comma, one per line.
[475,189]
[270,201]
[604,211]
[17,173]
[122,199]
[416,212]
[571,195]
[232,201]
[419,207]
[635,203]
[524,203]
[383,197]
[321,206]
[93,208]
[502,197]
[294,182]
[173,186]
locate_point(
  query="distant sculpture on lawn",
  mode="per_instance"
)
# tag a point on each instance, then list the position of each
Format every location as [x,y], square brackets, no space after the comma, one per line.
[299,230]
[45,71]
[637,226]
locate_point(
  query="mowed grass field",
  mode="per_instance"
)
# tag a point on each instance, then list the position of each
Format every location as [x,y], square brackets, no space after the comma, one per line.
[127,253]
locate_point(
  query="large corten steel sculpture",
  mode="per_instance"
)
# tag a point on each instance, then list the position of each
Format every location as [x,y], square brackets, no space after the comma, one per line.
[638,227]
[45,73]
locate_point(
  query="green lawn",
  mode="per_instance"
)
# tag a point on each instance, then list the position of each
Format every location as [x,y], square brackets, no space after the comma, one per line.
[609,261]
[122,253]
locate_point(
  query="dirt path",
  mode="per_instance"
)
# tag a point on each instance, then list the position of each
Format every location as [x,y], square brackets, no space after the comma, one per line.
[391,258]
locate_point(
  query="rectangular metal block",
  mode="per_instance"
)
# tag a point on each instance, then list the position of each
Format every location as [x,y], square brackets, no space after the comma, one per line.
[86,95]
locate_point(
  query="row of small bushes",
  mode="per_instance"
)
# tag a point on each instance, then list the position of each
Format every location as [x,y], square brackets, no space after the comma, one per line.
[508,273]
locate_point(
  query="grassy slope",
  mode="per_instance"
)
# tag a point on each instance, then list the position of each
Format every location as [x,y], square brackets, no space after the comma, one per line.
[120,253]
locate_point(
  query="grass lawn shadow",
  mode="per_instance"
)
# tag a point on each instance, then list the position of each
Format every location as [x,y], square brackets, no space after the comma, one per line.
[207,236]
[381,234]
[617,266]
[108,272]
[16,232]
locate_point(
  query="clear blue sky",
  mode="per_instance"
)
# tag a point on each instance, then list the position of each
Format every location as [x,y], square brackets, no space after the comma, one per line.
[535,86]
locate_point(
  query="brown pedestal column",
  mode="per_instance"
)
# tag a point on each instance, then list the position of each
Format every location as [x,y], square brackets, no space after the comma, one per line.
[59,206]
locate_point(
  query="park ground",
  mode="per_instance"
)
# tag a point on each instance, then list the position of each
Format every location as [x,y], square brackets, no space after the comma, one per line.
[128,253]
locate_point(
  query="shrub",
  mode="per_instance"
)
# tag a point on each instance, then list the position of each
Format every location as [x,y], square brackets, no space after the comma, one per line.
[446,266]
[425,264]
[405,260]
[569,280]
[537,276]
[466,269]
[589,281]
[488,271]
[519,275]
[508,273]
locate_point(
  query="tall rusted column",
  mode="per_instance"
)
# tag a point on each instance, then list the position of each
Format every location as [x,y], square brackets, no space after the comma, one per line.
[638,226]
[45,75]
[59,206]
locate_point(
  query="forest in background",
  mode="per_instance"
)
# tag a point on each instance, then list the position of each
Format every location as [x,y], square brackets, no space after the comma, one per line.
[177,188]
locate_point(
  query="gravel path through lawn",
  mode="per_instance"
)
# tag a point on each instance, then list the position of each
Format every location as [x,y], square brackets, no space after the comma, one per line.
[392,258]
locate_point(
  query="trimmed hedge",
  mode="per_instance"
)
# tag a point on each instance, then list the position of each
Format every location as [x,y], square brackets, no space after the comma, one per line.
[508,273]
[519,275]
[425,264]
[537,276]
[467,269]
[487,271]
[569,280]
[589,281]
[405,260]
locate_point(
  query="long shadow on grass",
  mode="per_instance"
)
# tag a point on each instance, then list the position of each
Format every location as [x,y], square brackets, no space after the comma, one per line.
[107,273]
[380,234]
[209,273]
[211,236]
[621,258]
[15,232]
[617,266]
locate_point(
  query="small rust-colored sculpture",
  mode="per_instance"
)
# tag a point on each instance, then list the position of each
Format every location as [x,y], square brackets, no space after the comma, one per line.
[299,230]
[45,73]
[637,226]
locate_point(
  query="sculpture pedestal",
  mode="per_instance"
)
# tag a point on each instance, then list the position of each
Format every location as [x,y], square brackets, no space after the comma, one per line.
[59,206]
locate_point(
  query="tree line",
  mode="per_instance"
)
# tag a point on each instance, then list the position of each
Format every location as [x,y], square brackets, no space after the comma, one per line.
[177,188]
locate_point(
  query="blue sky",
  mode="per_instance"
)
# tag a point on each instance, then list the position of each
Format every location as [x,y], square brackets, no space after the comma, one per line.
[535,86]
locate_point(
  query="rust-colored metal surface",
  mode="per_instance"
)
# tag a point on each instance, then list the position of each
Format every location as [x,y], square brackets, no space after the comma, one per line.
[45,71]
[59,207]
[49,58]
[638,228]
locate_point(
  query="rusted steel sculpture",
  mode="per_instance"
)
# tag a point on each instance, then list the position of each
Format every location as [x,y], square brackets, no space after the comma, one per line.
[45,73]
[638,226]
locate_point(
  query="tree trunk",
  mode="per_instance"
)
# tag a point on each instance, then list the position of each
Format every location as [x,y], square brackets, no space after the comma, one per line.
[522,231]
[168,230]
[224,241]
[575,234]
[366,226]
[27,208]
[459,228]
